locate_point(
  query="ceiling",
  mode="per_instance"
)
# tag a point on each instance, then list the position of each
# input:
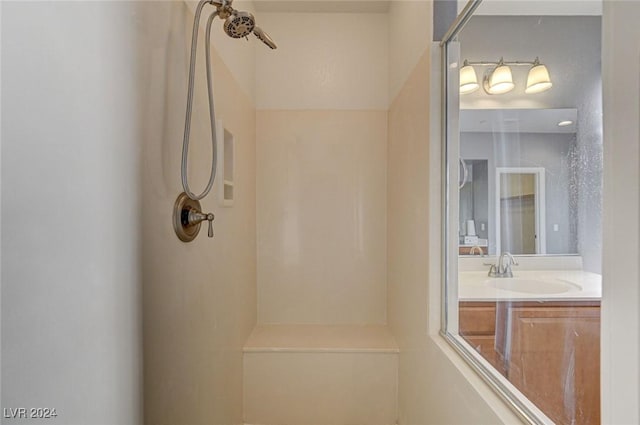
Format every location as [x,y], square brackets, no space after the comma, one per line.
[517,120]
[316,6]
[537,7]
[488,7]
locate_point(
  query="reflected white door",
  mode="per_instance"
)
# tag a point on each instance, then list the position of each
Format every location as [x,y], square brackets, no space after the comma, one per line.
[520,211]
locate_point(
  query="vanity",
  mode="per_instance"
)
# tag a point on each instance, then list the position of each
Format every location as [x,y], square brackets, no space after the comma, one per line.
[540,330]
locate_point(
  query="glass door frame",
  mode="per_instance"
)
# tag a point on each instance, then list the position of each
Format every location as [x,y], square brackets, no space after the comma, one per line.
[524,408]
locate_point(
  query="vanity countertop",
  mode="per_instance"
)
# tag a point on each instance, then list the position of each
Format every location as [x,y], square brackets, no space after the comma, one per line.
[534,285]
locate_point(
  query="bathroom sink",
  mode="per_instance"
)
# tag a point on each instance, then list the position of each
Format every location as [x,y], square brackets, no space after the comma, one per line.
[532,286]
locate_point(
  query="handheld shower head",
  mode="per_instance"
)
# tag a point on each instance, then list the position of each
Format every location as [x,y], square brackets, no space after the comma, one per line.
[264,37]
[239,24]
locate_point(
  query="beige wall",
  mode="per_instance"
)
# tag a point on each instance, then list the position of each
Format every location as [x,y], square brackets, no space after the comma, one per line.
[409,36]
[408,240]
[322,127]
[435,385]
[199,297]
[323,61]
[322,216]
[431,390]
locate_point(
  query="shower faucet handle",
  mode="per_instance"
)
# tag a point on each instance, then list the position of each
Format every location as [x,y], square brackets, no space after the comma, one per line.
[210,218]
[196,217]
[187,218]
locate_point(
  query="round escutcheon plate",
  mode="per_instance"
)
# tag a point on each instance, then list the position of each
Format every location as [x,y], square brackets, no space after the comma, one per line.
[186,232]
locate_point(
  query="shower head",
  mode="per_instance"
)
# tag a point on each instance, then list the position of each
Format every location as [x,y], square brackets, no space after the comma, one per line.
[264,37]
[239,24]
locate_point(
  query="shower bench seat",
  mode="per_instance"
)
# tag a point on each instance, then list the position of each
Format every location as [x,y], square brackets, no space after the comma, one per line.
[321,338]
[320,375]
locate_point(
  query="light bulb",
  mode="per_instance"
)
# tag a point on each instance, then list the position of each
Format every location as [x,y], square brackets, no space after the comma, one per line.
[500,81]
[538,79]
[468,79]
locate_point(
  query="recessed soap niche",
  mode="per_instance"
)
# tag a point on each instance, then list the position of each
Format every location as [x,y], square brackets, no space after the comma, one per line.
[226,166]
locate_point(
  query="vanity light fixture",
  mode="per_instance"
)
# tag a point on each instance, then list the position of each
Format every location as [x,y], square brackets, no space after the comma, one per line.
[538,79]
[468,79]
[499,80]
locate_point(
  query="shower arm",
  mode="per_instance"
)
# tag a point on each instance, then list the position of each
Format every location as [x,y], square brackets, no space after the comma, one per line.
[223,7]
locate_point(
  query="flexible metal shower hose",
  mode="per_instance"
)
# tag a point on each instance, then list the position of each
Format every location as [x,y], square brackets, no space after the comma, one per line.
[212,115]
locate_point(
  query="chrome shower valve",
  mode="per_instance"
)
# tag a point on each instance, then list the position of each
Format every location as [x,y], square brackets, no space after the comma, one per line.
[187,218]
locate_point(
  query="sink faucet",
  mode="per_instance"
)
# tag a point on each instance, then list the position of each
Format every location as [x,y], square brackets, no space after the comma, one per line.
[478,249]
[503,268]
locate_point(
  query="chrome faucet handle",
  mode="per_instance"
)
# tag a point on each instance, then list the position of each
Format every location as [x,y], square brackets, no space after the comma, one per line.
[507,272]
[210,218]
[196,217]
[187,217]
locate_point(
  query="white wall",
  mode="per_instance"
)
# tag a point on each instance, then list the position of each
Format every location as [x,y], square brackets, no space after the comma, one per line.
[71,336]
[199,298]
[621,299]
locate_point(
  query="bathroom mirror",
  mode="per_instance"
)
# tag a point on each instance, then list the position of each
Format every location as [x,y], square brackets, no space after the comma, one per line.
[523,184]
[530,143]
